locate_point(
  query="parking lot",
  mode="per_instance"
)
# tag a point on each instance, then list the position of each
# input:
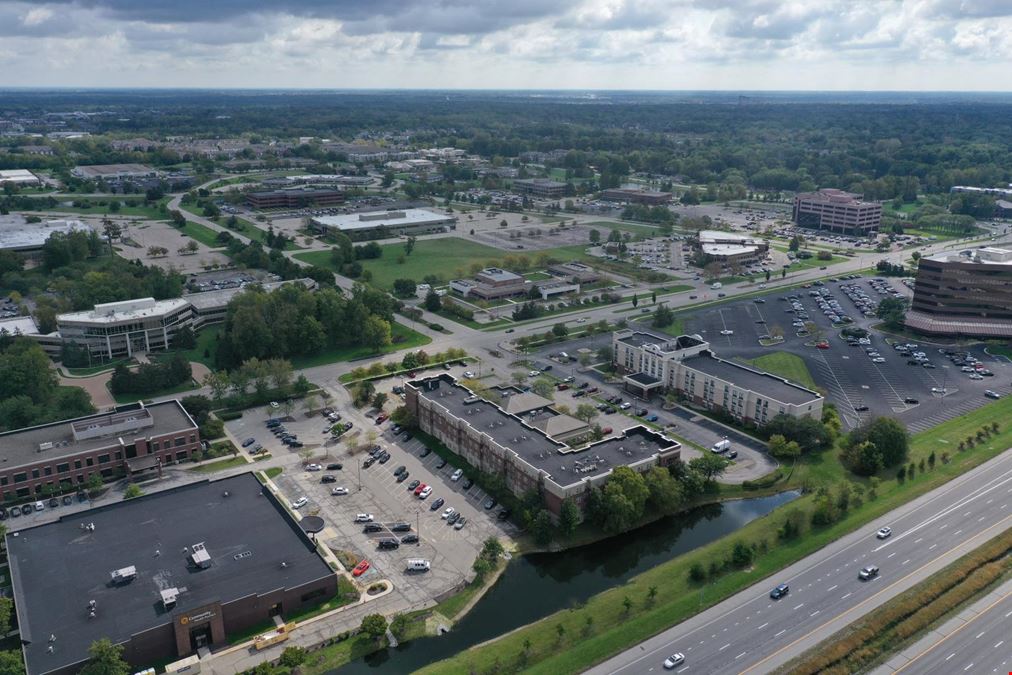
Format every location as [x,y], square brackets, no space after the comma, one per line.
[861,385]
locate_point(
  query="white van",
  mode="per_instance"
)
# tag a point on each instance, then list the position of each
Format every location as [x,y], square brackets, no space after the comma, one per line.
[716,285]
[418,565]
[721,446]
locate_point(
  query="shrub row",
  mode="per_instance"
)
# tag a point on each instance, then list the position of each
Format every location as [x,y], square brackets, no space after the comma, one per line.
[763,482]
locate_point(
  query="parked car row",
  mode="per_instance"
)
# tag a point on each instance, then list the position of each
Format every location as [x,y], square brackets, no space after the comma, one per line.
[53,502]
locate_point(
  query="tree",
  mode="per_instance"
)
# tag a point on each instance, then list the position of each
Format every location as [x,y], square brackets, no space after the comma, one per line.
[595,236]
[569,517]
[541,527]
[518,376]
[663,316]
[11,663]
[863,458]
[409,245]
[586,412]
[6,608]
[133,490]
[373,626]
[105,658]
[781,448]
[892,311]
[399,625]
[712,271]
[379,399]
[635,300]
[543,387]
[293,656]
[709,465]
[560,330]
[887,435]
[433,302]
[376,333]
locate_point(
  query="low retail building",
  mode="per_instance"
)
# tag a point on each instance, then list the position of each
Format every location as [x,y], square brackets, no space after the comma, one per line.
[636,196]
[383,224]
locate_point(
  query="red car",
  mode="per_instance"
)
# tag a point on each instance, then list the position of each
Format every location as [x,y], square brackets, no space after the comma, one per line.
[360,568]
[381,418]
[418,490]
[822,345]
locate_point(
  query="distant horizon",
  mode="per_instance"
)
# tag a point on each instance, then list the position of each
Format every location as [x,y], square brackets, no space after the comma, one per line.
[68,87]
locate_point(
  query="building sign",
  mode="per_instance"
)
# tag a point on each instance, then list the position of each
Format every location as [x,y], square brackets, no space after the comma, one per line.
[194,618]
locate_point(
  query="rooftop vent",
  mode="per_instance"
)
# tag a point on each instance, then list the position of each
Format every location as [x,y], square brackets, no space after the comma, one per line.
[200,557]
[169,596]
[123,575]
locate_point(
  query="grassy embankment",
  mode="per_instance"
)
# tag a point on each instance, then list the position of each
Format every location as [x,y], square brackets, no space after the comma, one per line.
[615,628]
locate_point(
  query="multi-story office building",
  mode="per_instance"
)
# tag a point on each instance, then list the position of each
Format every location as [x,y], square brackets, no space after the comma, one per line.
[63,455]
[966,294]
[521,444]
[730,247]
[163,575]
[636,196]
[295,198]
[116,329]
[837,211]
[685,365]
[543,188]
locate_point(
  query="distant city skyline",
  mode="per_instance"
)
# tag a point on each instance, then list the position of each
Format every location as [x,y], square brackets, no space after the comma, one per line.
[806,45]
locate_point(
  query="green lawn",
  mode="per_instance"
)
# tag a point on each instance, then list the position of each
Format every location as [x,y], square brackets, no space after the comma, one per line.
[786,365]
[207,340]
[134,208]
[1000,350]
[614,628]
[220,465]
[409,340]
[201,233]
[256,233]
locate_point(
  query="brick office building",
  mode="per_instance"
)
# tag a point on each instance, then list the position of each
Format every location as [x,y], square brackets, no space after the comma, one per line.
[296,198]
[63,455]
[837,211]
[163,575]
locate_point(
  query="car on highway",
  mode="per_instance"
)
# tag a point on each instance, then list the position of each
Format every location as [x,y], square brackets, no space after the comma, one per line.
[360,568]
[884,533]
[867,573]
[299,503]
[339,491]
[248,442]
[780,591]
[364,518]
[674,661]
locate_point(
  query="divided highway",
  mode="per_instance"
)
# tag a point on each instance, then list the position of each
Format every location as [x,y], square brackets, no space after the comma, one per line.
[751,633]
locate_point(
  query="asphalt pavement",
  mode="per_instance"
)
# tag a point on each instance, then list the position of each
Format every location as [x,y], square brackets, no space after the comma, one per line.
[750,632]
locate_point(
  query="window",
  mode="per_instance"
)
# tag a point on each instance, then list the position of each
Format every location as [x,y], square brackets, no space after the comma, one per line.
[180,456]
[63,468]
[154,446]
[35,473]
[49,471]
[180,441]
[193,438]
[91,461]
[103,459]
[77,464]
[3,480]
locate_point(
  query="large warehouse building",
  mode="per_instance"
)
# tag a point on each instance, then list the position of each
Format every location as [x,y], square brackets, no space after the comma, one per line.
[837,211]
[382,224]
[164,575]
[17,234]
[686,365]
[518,440]
[966,294]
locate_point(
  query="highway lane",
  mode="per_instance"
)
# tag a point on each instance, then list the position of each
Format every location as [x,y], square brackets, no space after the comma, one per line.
[980,643]
[751,633]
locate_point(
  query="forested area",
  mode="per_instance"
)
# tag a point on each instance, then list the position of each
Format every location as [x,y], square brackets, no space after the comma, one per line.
[29,390]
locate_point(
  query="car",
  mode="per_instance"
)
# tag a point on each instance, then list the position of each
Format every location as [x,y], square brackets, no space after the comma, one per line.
[651,418]
[426,452]
[489,504]
[992,394]
[448,512]
[780,591]
[67,500]
[822,345]
[975,376]
[504,514]
[693,297]
[360,568]
[53,502]
[910,400]
[441,463]
[459,525]
[299,503]
[719,295]
[867,573]
[403,477]
[409,539]
[339,491]
[468,375]
[468,483]
[884,533]
[533,373]
[384,457]
[388,544]
[274,404]
[348,425]
[457,475]
[372,528]
[419,488]
[399,470]
[369,461]
[625,406]
[327,478]
[938,390]
[314,467]
[15,512]
[413,484]
[759,301]
[434,506]
[335,467]
[381,418]
[364,518]
[424,494]
[248,442]
[878,359]
[400,527]
[674,661]
[453,518]
[727,331]
[509,330]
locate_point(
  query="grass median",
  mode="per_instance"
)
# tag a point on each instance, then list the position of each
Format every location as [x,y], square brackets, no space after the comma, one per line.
[607,623]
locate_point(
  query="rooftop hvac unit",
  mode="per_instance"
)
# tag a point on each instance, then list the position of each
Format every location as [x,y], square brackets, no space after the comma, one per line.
[124,575]
[169,596]
[45,446]
[201,558]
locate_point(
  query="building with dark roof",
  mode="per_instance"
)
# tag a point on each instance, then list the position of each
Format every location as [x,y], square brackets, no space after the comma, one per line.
[62,456]
[525,448]
[294,198]
[965,294]
[163,575]
[543,188]
[686,365]
[837,211]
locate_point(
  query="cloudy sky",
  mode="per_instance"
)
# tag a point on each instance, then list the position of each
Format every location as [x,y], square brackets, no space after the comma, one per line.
[543,44]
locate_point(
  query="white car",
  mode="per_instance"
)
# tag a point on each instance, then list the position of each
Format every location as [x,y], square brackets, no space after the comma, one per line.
[727,332]
[457,475]
[626,405]
[426,492]
[339,491]
[448,512]
[975,376]
[878,359]
[884,533]
[938,390]
[674,660]
[468,375]
[299,503]
[363,518]
[533,373]
[314,467]
[274,404]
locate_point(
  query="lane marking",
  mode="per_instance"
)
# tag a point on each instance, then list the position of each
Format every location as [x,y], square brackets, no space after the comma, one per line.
[780,633]
[763,626]
[799,606]
[724,647]
[739,656]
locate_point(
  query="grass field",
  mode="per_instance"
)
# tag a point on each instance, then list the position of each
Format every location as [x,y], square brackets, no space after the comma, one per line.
[409,340]
[1000,350]
[133,208]
[786,365]
[220,465]
[201,233]
[615,628]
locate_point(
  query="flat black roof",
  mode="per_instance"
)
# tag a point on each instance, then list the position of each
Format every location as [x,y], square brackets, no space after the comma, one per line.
[643,378]
[531,444]
[641,338]
[764,384]
[57,568]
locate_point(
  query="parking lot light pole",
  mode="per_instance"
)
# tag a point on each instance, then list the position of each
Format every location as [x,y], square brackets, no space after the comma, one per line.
[360,475]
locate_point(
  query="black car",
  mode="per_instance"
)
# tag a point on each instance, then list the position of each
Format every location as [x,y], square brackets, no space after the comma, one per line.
[26,509]
[426,452]
[861,408]
[468,483]
[440,464]
[413,484]
[780,591]
[389,544]
[376,451]
[327,479]
[399,470]
[504,514]
[408,436]
[335,467]
[409,539]
[372,527]
[384,458]
[911,401]
[453,518]
[348,425]
[400,527]
[295,444]
[489,504]
[434,506]
[54,502]
[68,500]
[369,461]
[3,514]
[403,477]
